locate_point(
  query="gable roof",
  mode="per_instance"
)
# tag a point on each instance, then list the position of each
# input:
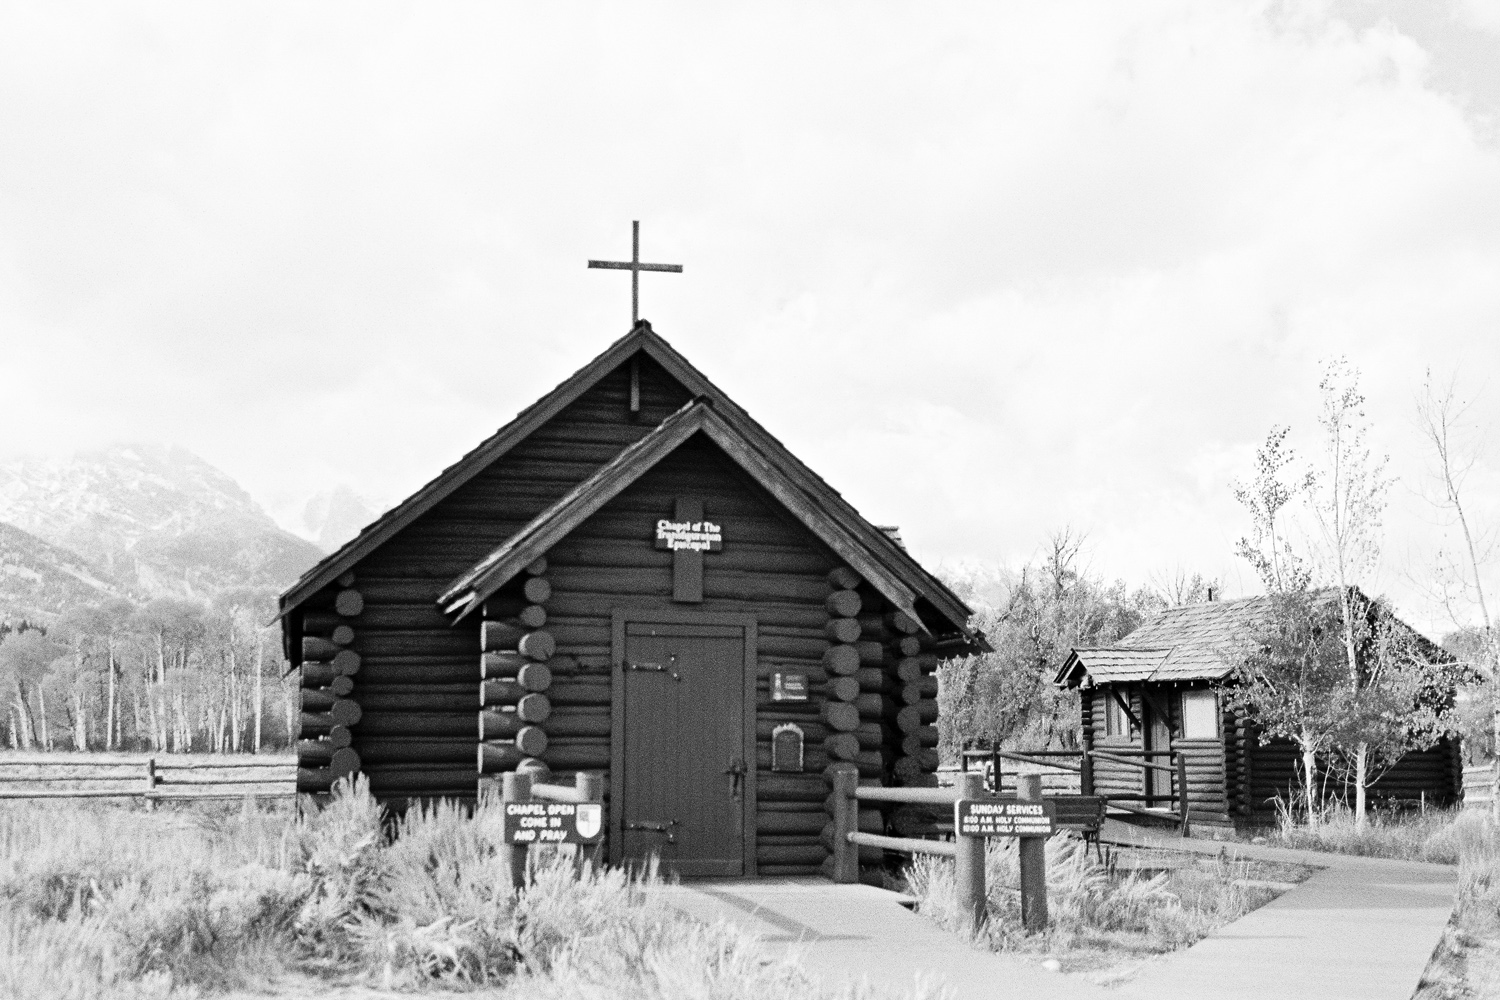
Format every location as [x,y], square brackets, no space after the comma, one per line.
[1196,642]
[641,339]
[782,482]
[1191,642]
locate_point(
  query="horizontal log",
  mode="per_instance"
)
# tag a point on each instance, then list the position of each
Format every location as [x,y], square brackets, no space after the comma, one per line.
[499,636]
[577,756]
[536,590]
[900,621]
[318,674]
[842,746]
[875,706]
[871,654]
[418,670]
[388,616]
[842,630]
[874,680]
[412,724]
[915,692]
[496,757]
[538,645]
[913,717]
[343,763]
[538,566]
[841,660]
[912,668]
[572,692]
[317,699]
[781,787]
[840,716]
[530,615]
[413,751]
[778,823]
[779,855]
[314,780]
[316,649]
[413,698]
[508,691]
[913,743]
[428,780]
[843,603]
[567,724]
[843,578]
[349,603]
[842,689]
[314,753]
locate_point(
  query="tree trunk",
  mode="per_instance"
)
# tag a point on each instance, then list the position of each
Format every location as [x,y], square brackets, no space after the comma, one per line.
[260,673]
[110,735]
[1361,774]
[1309,776]
[28,724]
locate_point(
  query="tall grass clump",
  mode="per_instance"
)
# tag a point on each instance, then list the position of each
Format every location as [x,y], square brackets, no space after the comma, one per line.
[1090,906]
[114,902]
[1407,835]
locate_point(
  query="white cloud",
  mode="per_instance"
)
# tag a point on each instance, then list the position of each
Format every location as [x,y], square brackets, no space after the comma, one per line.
[987,271]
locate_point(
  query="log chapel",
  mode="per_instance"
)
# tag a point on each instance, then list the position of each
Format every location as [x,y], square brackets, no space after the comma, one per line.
[633,577]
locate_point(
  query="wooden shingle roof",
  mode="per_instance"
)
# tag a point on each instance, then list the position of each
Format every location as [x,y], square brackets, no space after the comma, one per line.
[1191,642]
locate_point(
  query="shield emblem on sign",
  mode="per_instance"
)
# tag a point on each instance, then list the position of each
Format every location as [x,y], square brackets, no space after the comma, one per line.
[589,819]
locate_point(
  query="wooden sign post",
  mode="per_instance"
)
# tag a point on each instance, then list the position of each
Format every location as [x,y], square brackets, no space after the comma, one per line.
[1028,817]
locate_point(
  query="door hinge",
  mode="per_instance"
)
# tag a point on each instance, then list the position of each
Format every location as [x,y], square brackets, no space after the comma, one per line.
[669,668]
[655,826]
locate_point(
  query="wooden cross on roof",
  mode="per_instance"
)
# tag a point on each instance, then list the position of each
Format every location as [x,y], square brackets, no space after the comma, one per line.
[635,267]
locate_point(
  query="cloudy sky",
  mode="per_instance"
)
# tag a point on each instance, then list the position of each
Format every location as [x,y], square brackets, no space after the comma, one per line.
[991,271]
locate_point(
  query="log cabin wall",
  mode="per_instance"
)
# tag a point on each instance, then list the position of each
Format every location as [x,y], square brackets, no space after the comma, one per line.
[1208,794]
[770,568]
[1433,776]
[417,677]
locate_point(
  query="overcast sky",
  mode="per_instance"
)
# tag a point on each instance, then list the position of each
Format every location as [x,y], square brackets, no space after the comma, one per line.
[990,270]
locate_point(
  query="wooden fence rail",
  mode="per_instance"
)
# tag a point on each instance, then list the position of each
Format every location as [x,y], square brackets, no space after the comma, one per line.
[1479,786]
[153,777]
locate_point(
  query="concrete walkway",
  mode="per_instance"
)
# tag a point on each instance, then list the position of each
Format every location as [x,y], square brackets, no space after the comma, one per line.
[1360,928]
[845,934]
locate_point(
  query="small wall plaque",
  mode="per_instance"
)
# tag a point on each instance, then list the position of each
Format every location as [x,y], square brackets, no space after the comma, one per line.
[787,686]
[786,747]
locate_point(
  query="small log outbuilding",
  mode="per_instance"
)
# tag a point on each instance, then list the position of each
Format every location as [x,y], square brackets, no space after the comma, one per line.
[1162,688]
[633,577]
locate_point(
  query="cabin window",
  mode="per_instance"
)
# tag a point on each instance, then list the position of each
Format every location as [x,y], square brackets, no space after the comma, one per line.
[1115,722]
[1200,715]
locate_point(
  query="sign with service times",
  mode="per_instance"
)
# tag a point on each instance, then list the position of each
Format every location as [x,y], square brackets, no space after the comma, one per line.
[1004,818]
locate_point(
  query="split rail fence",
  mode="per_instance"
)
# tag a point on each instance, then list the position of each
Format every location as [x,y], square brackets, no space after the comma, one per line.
[153,778]
[1479,786]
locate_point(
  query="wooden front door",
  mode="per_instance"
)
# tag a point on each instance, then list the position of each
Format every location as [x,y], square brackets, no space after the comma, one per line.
[1156,735]
[684,791]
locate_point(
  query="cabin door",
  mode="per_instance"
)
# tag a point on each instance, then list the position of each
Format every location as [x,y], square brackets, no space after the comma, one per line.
[684,793]
[1157,735]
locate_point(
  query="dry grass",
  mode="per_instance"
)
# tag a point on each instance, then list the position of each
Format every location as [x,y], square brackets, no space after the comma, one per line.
[1100,916]
[100,901]
[1407,835]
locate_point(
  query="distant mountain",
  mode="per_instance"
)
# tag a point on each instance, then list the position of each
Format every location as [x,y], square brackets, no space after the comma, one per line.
[159,520]
[334,516]
[38,580]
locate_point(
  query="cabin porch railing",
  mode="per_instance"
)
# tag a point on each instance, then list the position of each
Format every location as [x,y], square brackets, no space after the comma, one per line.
[1175,766]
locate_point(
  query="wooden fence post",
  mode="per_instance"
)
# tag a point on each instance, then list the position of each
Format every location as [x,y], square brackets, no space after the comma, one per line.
[1086,772]
[1182,791]
[515,787]
[845,822]
[968,858]
[590,787]
[1033,856]
[150,783]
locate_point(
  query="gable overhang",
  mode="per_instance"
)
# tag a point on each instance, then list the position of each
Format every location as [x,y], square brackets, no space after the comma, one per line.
[644,340]
[472,588]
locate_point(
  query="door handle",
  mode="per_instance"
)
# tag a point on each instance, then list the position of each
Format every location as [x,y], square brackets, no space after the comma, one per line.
[736,772]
